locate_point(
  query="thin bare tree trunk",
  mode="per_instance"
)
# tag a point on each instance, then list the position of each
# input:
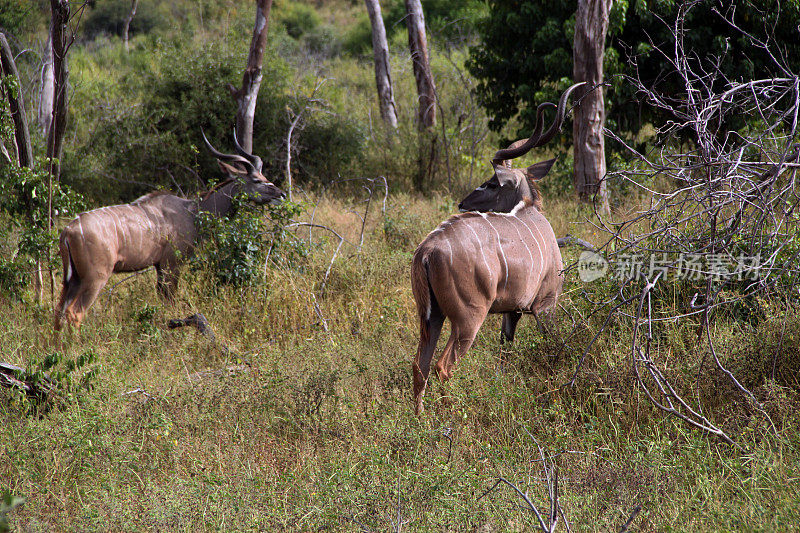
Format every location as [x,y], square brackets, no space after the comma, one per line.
[44,110]
[292,126]
[591,25]
[247,95]
[17,107]
[383,78]
[58,123]
[127,25]
[418,46]
[21,134]
[60,13]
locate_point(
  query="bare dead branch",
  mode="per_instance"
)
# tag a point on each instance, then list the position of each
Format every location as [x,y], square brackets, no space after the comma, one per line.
[12,376]
[294,119]
[716,197]
[200,323]
[550,474]
[631,518]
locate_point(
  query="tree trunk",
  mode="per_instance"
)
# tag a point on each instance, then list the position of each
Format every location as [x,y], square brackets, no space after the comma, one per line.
[591,25]
[21,135]
[383,79]
[16,106]
[44,111]
[58,123]
[418,46]
[247,95]
[127,25]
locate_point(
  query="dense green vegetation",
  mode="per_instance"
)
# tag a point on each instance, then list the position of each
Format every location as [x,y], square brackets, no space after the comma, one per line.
[530,60]
[297,416]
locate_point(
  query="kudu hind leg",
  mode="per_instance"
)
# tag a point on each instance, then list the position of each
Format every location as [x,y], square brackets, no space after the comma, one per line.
[509,326]
[87,294]
[430,330]
[69,292]
[507,330]
[461,338]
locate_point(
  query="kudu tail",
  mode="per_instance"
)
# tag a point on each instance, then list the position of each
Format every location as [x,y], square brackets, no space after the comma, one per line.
[70,282]
[430,324]
[423,296]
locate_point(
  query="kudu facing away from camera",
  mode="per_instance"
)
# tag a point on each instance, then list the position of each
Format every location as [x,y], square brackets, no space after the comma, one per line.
[499,257]
[157,229]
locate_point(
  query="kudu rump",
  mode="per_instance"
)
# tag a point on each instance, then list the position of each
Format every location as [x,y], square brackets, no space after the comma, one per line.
[157,229]
[499,257]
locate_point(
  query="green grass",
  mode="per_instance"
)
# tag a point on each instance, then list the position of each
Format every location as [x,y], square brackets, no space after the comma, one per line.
[300,429]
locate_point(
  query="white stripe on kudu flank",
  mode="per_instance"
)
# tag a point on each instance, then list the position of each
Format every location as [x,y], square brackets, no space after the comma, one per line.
[522,240]
[538,247]
[150,225]
[449,250]
[118,224]
[480,245]
[502,252]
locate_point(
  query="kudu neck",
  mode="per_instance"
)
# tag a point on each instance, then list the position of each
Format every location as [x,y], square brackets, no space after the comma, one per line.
[532,196]
[219,202]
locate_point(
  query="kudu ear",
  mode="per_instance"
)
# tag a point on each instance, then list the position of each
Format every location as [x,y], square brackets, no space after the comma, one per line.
[539,170]
[231,170]
[506,176]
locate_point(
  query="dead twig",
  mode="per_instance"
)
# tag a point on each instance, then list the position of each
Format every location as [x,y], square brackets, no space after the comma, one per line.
[294,120]
[631,518]
[569,239]
[550,473]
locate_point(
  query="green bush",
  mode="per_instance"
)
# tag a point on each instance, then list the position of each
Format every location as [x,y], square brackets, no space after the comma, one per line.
[324,42]
[24,200]
[153,138]
[12,276]
[358,37]
[55,379]
[327,147]
[108,17]
[298,19]
[17,16]
[449,20]
[235,249]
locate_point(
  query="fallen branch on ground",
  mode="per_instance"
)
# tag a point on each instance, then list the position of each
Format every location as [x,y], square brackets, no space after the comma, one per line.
[14,377]
[199,322]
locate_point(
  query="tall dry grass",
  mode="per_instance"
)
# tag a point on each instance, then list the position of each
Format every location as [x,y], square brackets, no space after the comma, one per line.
[297,428]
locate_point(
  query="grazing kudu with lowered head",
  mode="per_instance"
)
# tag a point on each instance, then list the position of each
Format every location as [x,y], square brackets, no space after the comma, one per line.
[157,229]
[501,256]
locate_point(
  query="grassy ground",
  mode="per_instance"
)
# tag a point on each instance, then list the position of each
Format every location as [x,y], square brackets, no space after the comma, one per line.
[301,429]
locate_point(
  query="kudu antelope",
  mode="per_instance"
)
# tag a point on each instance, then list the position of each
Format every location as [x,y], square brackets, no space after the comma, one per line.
[501,256]
[157,229]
